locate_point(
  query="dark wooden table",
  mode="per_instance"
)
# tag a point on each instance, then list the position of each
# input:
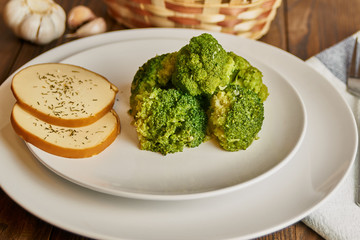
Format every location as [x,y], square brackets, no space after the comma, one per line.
[301,27]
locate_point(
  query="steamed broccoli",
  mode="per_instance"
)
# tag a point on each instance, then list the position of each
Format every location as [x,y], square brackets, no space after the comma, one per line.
[168,120]
[202,66]
[179,99]
[236,115]
[156,72]
[245,75]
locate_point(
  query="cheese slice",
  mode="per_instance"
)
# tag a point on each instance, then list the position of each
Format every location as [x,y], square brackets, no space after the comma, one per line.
[63,94]
[70,142]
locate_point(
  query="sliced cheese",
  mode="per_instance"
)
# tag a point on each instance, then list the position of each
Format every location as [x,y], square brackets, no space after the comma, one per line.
[76,142]
[63,94]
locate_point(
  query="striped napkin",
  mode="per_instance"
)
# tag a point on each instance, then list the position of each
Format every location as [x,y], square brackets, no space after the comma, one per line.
[339,217]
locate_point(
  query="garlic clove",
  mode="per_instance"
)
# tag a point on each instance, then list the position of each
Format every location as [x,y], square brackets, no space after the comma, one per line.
[57,17]
[42,7]
[79,15]
[98,25]
[52,26]
[14,14]
[29,27]
[46,31]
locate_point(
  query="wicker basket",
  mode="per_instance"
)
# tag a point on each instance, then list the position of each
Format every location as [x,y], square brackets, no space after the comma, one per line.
[248,18]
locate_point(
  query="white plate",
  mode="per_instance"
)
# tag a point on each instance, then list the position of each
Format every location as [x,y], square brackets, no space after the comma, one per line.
[207,170]
[283,198]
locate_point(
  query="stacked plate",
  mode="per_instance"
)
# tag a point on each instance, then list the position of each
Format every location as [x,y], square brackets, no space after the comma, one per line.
[203,193]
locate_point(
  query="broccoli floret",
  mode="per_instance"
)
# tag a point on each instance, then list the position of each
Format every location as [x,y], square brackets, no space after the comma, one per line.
[156,72]
[202,66]
[236,115]
[247,76]
[168,120]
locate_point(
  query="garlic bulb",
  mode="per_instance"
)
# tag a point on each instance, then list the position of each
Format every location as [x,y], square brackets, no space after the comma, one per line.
[38,21]
[79,15]
[98,25]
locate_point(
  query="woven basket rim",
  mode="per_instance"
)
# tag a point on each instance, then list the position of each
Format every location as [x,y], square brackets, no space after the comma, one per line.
[216,5]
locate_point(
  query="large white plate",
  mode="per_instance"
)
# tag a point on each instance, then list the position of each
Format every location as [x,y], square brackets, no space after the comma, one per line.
[207,170]
[283,198]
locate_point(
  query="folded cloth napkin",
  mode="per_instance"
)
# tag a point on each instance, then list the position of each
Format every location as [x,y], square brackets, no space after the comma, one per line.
[339,217]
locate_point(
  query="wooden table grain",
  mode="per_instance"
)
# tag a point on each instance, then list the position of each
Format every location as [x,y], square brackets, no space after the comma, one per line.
[301,27]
